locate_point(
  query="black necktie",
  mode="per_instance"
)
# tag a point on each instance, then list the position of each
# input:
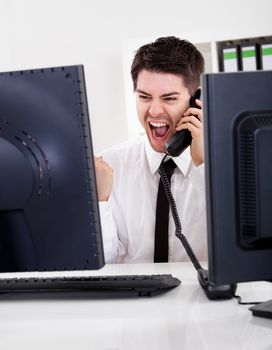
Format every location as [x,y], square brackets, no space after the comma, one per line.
[162,216]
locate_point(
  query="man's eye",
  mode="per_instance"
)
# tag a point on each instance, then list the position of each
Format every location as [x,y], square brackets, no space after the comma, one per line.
[143,97]
[170,99]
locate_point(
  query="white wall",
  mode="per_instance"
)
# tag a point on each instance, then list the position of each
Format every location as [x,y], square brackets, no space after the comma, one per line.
[39,33]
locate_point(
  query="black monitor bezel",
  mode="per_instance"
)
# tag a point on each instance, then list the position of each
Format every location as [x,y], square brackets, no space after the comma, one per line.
[225,97]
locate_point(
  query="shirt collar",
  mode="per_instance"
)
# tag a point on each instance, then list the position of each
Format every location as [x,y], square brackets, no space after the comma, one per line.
[154,159]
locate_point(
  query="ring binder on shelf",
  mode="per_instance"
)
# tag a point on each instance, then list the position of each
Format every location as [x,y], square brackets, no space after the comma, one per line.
[249,57]
[231,59]
[266,56]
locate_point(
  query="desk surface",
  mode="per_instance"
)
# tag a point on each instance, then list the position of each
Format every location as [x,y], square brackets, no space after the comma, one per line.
[182,318]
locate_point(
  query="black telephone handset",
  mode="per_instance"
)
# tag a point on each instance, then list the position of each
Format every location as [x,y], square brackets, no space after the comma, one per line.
[183,138]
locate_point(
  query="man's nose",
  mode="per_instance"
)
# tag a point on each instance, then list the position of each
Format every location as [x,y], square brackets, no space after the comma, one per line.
[156,109]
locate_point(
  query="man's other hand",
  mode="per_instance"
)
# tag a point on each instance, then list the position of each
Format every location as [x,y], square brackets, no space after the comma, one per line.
[104,178]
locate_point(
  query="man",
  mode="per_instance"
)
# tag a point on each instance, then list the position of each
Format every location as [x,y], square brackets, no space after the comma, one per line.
[165,75]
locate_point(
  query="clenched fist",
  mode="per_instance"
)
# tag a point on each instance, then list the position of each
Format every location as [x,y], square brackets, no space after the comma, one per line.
[104,178]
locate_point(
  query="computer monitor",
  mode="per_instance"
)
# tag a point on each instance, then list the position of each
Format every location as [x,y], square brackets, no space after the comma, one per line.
[238,167]
[49,217]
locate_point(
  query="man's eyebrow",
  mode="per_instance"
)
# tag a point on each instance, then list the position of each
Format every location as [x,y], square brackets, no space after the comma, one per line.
[142,92]
[170,94]
[164,95]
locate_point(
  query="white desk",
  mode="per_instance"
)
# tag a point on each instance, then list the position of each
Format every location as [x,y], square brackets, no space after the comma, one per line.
[181,319]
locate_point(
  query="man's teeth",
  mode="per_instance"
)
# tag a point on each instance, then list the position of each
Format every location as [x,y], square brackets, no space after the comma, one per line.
[157,125]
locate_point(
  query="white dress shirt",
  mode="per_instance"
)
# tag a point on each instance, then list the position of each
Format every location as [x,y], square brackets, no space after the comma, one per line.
[128,218]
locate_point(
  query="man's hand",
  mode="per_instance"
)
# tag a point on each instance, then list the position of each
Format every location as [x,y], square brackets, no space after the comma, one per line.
[192,120]
[104,178]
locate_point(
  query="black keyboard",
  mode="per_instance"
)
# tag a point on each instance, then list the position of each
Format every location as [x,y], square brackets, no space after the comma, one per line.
[141,285]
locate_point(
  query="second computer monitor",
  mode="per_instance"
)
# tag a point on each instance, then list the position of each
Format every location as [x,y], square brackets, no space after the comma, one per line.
[238,163]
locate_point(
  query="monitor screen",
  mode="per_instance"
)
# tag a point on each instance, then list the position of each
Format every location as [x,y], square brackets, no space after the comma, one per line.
[49,217]
[238,167]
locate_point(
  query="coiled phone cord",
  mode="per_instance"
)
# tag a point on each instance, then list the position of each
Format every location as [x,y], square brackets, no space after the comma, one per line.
[213,291]
[177,222]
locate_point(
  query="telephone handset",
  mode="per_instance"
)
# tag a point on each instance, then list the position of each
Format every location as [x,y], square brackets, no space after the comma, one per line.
[183,138]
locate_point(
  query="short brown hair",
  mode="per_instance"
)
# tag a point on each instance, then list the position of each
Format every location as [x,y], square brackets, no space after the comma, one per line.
[170,55]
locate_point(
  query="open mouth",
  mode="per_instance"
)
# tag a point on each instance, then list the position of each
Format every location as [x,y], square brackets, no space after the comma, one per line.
[159,130]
